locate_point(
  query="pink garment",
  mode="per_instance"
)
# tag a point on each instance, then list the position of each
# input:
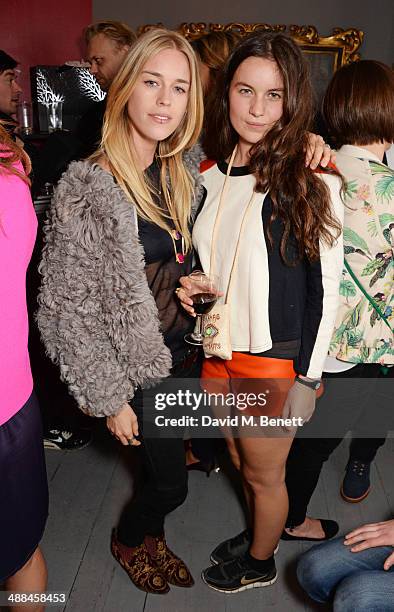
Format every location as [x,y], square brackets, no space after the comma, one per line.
[18,228]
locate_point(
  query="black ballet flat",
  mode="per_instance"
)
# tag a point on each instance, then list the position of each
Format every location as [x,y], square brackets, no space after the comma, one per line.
[330,529]
[202,466]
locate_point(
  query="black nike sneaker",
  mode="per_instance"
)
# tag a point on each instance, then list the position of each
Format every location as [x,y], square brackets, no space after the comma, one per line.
[236,575]
[233,547]
[63,439]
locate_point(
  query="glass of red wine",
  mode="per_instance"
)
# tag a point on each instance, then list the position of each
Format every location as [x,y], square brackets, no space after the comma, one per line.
[204,292]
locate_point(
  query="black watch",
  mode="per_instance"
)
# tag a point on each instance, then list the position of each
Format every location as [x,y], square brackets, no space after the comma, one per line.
[312,384]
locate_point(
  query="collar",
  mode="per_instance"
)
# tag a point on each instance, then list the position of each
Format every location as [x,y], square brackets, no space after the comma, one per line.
[235,170]
[359,152]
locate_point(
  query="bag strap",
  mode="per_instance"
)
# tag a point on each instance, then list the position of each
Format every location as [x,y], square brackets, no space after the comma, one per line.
[223,193]
[231,277]
[369,298]
[216,222]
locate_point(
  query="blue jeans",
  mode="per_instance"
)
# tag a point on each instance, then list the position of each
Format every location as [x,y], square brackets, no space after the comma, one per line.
[353,582]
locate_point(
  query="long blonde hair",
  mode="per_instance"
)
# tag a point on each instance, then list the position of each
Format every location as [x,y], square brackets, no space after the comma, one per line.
[117,142]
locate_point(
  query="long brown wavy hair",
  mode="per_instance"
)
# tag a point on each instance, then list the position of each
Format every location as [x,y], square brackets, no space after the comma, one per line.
[300,198]
[10,153]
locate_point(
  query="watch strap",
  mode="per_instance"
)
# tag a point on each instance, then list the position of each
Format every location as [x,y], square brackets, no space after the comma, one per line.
[312,384]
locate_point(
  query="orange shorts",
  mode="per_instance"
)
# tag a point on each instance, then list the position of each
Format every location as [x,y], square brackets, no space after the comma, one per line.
[250,376]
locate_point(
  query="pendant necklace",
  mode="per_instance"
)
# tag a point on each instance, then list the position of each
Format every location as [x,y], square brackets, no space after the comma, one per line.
[176,236]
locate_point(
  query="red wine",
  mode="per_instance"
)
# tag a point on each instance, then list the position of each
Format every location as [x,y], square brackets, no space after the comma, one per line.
[203,302]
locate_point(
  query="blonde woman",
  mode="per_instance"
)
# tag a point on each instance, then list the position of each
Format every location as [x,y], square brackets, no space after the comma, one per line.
[117,242]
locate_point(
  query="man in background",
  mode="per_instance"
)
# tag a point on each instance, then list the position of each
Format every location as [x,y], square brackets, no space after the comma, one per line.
[9,90]
[108,43]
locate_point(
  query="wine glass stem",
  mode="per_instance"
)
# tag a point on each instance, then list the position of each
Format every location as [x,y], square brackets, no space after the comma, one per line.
[197,335]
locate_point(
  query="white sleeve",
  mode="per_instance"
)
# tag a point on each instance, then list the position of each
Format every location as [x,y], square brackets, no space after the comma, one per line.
[331,261]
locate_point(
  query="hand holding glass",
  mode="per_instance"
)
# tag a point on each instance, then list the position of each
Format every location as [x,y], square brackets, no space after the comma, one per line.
[204,292]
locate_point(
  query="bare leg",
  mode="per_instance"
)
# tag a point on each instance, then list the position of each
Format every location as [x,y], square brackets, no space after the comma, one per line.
[234,452]
[263,467]
[32,577]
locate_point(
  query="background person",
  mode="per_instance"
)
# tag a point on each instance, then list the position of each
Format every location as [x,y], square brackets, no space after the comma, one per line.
[10,92]
[212,50]
[23,481]
[355,573]
[358,109]
[108,43]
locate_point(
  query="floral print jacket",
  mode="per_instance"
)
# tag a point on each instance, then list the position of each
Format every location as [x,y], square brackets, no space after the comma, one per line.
[360,335]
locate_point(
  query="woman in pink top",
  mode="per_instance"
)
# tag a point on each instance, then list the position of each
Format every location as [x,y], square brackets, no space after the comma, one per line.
[23,482]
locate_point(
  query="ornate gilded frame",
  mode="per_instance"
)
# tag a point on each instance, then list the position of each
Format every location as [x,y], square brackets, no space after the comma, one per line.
[343,43]
[325,53]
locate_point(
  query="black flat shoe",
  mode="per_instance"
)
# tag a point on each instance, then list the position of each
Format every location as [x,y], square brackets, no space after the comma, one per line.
[330,529]
[202,466]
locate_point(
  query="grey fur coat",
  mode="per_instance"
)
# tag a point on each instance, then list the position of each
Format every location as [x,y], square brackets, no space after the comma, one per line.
[97,316]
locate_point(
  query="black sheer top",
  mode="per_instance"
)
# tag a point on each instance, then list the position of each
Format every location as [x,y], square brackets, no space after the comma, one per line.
[163,273]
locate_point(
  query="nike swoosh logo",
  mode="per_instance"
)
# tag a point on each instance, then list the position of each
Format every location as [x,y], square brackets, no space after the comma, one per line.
[246,581]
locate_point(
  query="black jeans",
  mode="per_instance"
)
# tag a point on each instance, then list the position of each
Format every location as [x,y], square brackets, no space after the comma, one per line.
[164,484]
[356,407]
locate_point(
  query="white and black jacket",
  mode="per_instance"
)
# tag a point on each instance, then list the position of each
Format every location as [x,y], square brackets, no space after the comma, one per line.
[272,304]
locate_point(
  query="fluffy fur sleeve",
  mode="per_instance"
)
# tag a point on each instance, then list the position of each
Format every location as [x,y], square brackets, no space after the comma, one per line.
[97,317]
[192,159]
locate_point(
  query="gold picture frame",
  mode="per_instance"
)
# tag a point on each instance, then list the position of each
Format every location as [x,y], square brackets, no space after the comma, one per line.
[325,53]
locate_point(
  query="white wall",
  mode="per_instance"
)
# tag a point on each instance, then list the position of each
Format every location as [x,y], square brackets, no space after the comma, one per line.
[374,17]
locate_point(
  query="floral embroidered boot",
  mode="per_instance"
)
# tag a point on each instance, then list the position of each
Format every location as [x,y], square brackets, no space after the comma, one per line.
[173,568]
[141,569]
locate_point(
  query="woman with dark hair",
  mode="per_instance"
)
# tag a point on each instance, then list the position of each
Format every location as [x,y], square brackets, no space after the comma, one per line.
[272,227]
[212,50]
[358,109]
[23,481]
